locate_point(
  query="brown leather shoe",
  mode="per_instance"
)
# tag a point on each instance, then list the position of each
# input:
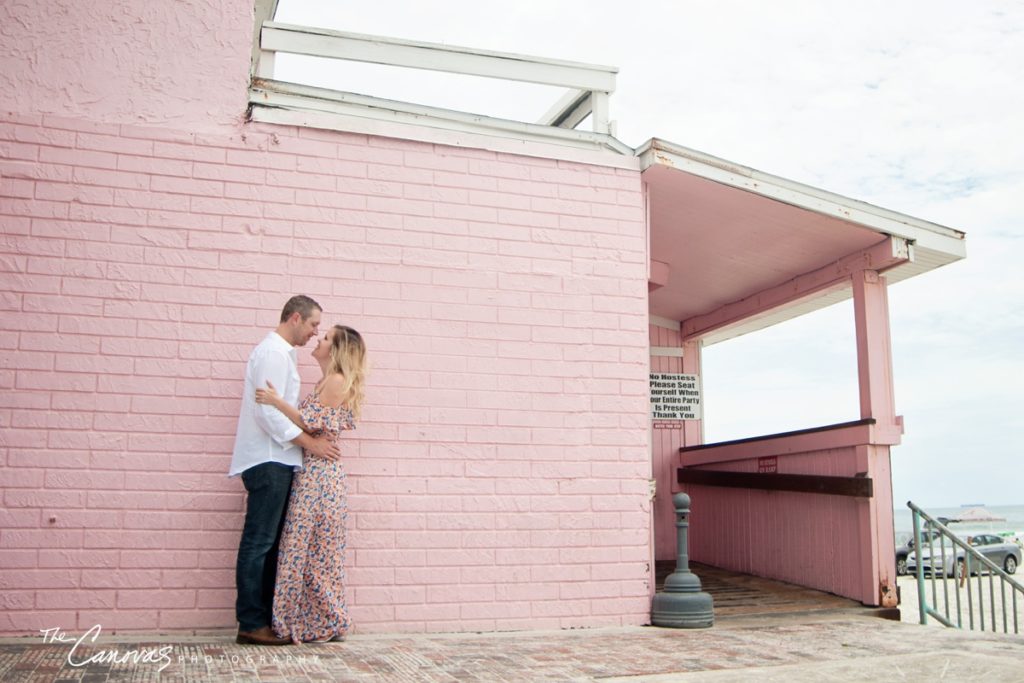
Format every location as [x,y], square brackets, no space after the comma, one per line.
[261,636]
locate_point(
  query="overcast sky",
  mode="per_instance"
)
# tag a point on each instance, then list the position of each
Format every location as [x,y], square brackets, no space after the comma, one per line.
[914,106]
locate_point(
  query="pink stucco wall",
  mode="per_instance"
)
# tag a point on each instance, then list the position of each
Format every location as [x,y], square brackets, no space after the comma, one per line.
[182,64]
[499,477]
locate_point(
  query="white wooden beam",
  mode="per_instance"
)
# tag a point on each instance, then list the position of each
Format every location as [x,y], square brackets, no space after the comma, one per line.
[599,105]
[264,11]
[658,321]
[281,95]
[265,64]
[885,254]
[434,57]
[568,111]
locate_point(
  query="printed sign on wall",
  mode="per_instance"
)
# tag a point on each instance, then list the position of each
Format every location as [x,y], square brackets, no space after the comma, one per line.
[675,396]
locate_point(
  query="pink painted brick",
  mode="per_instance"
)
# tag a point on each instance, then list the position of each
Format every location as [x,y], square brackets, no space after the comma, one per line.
[400,174]
[389,558]
[223,577]
[19,150]
[74,598]
[153,166]
[113,143]
[390,595]
[151,132]
[258,192]
[41,538]
[191,186]
[192,619]
[17,600]
[121,215]
[35,621]
[244,157]
[496,610]
[233,207]
[24,189]
[230,174]
[460,557]
[420,539]
[326,147]
[77,157]
[160,218]
[78,558]
[106,178]
[526,187]
[12,518]
[164,599]
[68,123]
[41,499]
[119,621]
[189,152]
[38,210]
[41,578]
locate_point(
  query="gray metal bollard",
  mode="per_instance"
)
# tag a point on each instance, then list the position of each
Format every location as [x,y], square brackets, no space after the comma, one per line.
[682,604]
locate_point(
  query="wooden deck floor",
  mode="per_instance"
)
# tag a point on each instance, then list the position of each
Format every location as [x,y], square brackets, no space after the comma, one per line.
[745,595]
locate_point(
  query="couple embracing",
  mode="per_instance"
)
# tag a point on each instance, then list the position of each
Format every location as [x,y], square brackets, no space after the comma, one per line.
[290,571]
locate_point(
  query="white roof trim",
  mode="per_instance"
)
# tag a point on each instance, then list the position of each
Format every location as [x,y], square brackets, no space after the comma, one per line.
[320,42]
[658,321]
[924,234]
[301,105]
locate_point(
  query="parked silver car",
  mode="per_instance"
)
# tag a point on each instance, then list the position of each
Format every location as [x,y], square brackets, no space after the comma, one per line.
[997,550]
[903,551]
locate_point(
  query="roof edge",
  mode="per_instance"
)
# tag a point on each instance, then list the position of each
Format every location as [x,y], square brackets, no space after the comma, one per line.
[657,152]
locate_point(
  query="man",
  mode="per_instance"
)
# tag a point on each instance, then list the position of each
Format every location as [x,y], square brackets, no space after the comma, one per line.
[268,448]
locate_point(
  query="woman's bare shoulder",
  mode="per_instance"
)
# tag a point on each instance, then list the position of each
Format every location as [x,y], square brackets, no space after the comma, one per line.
[332,391]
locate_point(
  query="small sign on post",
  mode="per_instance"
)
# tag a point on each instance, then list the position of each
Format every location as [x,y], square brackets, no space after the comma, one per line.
[675,396]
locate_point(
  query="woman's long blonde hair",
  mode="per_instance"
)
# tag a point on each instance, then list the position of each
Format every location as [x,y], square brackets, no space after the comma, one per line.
[348,359]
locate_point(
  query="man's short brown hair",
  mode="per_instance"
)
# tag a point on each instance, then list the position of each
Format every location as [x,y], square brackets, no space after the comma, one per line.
[301,304]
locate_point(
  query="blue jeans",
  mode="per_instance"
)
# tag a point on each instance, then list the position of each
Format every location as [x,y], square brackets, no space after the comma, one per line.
[268,486]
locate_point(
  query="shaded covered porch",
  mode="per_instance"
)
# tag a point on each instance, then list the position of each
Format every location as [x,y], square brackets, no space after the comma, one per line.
[740,595]
[732,251]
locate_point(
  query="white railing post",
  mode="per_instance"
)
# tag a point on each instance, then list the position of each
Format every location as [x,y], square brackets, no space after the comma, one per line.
[599,114]
[265,66]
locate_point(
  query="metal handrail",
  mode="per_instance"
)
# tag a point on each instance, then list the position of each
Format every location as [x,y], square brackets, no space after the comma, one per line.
[972,560]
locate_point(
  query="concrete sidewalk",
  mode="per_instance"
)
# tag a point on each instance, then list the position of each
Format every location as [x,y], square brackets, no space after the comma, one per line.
[840,645]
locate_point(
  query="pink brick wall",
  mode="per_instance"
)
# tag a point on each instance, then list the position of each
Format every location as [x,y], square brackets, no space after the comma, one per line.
[499,477]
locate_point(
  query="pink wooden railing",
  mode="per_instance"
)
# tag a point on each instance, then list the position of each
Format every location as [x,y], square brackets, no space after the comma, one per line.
[839,540]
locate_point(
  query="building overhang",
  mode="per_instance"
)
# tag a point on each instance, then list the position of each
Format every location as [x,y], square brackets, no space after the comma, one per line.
[723,235]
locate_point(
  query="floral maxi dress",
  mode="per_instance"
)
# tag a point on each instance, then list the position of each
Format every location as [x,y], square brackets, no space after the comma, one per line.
[309,599]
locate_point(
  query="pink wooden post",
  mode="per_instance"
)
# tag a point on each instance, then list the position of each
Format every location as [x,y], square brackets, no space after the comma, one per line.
[874,353]
[874,365]
[666,440]
[693,432]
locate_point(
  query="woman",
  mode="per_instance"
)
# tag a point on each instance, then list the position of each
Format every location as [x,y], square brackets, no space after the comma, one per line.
[309,600]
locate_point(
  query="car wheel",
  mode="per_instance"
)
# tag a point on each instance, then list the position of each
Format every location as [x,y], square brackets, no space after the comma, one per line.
[1010,564]
[901,566]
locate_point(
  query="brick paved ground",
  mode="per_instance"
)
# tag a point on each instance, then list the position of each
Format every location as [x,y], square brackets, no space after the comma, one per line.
[837,645]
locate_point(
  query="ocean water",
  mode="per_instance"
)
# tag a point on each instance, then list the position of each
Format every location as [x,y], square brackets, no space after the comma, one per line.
[1014,524]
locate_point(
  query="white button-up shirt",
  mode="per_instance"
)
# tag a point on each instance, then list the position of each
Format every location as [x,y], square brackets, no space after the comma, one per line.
[264,433]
